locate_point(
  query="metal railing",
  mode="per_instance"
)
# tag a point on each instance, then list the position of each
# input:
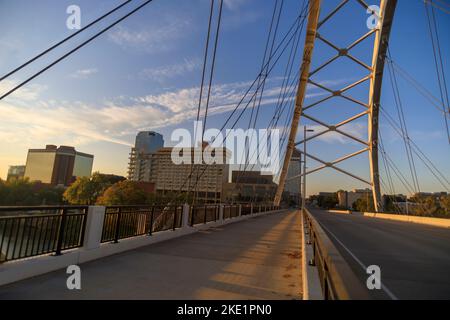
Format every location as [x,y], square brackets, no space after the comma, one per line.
[230,211]
[246,209]
[32,231]
[202,214]
[123,222]
[337,280]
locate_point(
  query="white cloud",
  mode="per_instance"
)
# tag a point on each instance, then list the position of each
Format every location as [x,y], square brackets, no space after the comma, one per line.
[30,120]
[84,73]
[167,72]
[26,93]
[152,39]
[234,4]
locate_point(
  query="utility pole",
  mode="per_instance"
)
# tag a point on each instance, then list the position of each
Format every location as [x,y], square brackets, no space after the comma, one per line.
[311,31]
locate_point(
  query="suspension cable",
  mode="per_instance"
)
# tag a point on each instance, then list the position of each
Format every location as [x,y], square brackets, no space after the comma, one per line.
[75,49]
[63,41]
[437,54]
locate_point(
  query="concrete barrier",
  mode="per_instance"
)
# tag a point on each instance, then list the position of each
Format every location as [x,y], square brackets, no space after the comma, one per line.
[437,222]
[340,211]
[92,249]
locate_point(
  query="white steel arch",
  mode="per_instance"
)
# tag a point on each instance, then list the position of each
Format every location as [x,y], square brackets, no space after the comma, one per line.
[371,109]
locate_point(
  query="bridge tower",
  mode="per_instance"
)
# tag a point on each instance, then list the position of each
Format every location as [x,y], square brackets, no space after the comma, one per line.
[381,32]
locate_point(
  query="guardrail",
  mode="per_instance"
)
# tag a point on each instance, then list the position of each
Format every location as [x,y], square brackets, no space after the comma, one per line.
[93,232]
[202,214]
[122,222]
[230,211]
[337,279]
[31,231]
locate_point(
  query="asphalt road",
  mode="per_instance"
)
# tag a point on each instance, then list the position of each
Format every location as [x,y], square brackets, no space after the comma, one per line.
[414,259]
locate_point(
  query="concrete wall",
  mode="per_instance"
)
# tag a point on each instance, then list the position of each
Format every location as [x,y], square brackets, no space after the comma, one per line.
[437,222]
[93,248]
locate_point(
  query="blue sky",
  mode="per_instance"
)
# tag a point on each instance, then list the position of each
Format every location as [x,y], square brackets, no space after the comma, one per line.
[144,75]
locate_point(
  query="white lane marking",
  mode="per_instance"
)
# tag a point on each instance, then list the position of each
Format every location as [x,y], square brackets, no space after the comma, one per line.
[385,289]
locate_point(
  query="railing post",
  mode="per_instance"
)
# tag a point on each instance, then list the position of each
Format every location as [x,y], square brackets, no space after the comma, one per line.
[185,217]
[62,226]
[221,207]
[94,227]
[240,210]
[150,229]
[175,218]
[205,214]
[251,208]
[116,235]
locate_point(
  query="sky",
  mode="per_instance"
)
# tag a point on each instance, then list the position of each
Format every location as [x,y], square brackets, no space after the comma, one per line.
[145,73]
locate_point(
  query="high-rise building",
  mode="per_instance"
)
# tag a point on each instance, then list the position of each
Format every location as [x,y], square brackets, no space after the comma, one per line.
[57,166]
[15,173]
[146,145]
[292,186]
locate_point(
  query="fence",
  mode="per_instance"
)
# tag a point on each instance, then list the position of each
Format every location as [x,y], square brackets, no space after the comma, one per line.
[123,222]
[203,214]
[34,231]
[230,211]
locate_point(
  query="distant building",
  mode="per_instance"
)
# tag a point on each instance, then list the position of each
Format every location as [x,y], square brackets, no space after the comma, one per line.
[206,182]
[292,186]
[141,156]
[348,198]
[15,173]
[57,166]
[250,186]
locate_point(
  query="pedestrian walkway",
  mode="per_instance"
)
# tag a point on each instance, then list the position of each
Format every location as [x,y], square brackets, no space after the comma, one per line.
[259,258]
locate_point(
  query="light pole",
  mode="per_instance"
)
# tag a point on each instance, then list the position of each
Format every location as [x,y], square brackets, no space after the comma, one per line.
[306,130]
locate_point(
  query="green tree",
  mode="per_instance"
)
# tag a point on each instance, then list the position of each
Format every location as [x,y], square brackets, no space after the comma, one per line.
[364,204]
[22,192]
[86,191]
[445,205]
[426,206]
[328,202]
[124,193]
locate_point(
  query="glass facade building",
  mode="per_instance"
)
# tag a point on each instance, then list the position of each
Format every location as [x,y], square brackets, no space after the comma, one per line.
[57,166]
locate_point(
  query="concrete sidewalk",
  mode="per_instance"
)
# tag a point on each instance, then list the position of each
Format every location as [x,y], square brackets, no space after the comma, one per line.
[259,258]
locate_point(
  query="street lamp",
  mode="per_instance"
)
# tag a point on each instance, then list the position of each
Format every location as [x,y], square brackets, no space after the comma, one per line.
[306,130]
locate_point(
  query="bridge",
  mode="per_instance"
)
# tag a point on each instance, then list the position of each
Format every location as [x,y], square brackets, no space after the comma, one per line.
[265,250]
[219,252]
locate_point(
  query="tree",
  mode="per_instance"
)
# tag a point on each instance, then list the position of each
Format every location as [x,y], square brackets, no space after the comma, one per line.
[364,204]
[86,191]
[425,206]
[445,205]
[22,192]
[81,192]
[124,193]
[328,202]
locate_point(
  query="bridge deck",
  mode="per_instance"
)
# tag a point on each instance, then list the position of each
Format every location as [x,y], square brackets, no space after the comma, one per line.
[254,259]
[414,259]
